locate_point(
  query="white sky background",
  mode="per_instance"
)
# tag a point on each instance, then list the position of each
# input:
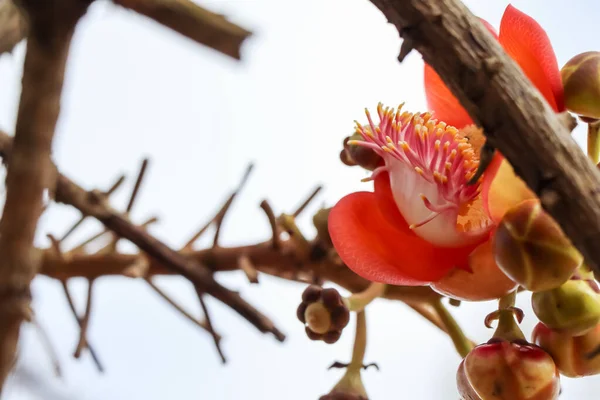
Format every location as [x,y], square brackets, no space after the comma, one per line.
[135,89]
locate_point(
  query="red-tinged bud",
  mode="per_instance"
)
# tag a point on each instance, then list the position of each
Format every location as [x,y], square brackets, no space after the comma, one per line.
[570,353]
[484,282]
[581,82]
[324,313]
[532,250]
[503,370]
[572,308]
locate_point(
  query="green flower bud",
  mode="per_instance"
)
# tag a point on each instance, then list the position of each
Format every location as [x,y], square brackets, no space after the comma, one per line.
[581,82]
[572,309]
[320,223]
[532,250]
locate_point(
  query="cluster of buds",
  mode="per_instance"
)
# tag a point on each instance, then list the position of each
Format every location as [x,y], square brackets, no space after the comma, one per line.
[324,313]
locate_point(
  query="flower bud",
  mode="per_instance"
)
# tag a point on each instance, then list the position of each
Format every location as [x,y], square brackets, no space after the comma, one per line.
[581,82]
[532,250]
[354,154]
[503,370]
[570,353]
[320,223]
[324,314]
[572,308]
[484,282]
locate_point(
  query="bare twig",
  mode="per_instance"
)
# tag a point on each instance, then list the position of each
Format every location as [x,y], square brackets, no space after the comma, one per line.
[193,21]
[221,214]
[29,170]
[266,207]
[306,202]
[246,266]
[515,118]
[80,324]
[201,324]
[77,224]
[85,321]
[13,26]
[138,184]
[211,329]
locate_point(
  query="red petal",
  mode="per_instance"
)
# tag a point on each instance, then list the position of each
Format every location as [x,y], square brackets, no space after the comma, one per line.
[380,247]
[440,99]
[528,44]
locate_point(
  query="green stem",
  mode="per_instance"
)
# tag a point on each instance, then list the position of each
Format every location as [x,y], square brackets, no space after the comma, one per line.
[508,328]
[462,344]
[360,342]
[358,301]
[593,141]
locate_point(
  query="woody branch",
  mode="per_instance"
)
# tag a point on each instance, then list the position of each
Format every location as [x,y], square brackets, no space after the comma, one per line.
[515,118]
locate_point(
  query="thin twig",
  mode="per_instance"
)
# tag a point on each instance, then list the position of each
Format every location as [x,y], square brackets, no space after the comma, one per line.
[306,202]
[221,214]
[77,224]
[211,329]
[136,187]
[201,324]
[85,321]
[246,266]
[80,324]
[266,207]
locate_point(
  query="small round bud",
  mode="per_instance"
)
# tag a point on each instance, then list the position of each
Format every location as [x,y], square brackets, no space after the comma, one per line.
[532,250]
[324,314]
[354,154]
[581,82]
[484,282]
[503,370]
[570,353]
[572,308]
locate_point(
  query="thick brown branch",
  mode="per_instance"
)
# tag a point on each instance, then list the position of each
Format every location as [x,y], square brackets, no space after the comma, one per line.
[193,21]
[13,26]
[29,167]
[515,118]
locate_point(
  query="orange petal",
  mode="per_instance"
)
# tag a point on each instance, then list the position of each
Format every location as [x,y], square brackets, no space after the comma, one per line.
[501,188]
[440,99]
[376,248]
[528,44]
[485,282]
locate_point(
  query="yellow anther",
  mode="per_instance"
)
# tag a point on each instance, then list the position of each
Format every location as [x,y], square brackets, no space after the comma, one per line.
[419,170]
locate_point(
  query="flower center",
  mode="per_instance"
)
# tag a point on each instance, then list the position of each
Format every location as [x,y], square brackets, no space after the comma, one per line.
[429,164]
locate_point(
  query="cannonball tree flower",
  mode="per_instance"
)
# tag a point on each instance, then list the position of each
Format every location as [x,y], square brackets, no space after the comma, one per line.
[423,223]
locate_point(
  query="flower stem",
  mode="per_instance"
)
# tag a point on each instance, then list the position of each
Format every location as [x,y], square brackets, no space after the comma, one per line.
[358,301]
[508,328]
[593,141]
[360,342]
[462,344]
